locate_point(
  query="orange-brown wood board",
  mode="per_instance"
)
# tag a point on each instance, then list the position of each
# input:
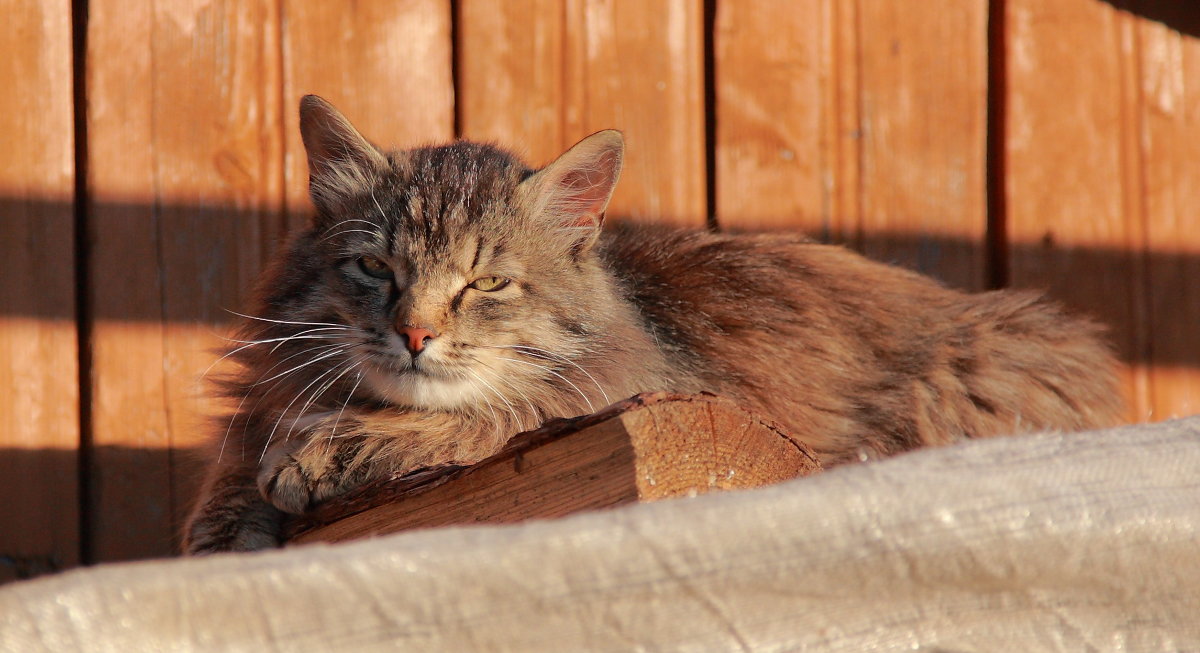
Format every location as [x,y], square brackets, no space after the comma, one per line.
[183,186]
[542,75]
[1098,198]
[841,119]
[39,376]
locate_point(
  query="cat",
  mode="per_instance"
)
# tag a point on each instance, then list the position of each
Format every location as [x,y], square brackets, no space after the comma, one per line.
[446,297]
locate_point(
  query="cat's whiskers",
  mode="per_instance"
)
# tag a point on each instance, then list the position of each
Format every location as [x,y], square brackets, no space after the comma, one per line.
[252,343]
[232,419]
[303,335]
[329,352]
[511,410]
[349,395]
[283,413]
[546,354]
[326,235]
[275,321]
[348,221]
[279,343]
[245,396]
[591,408]
[487,403]
[350,231]
[350,365]
[508,383]
[298,334]
[377,205]
[254,408]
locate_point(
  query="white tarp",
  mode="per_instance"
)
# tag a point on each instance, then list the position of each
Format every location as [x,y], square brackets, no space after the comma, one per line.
[1048,542]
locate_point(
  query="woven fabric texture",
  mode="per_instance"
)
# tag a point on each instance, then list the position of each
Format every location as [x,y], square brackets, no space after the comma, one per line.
[1037,543]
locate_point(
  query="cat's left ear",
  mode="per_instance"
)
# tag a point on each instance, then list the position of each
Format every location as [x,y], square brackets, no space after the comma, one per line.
[341,163]
[571,194]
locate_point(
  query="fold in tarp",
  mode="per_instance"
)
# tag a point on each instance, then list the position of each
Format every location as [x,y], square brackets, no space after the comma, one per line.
[1045,542]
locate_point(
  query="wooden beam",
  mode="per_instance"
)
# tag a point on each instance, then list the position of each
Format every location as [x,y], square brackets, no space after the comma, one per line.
[649,447]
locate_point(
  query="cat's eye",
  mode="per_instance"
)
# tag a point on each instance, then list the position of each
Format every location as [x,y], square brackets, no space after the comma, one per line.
[375,267]
[489,284]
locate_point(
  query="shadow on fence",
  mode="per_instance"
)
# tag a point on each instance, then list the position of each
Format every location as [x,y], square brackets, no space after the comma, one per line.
[134,502]
[185,264]
[1176,14]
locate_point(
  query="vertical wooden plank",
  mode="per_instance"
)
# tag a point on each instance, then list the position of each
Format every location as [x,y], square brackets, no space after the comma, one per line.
[386,65]
[510,79]
[923,104]
[788,129]
[184,174]
[1073,212]
[39,376]
[841,144]
[637,65]
[130,478]
[538,76]
[860,122]
[773,101]
[1169,141]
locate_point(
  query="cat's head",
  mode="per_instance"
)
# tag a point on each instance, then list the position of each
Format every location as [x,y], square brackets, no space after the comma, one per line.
[453,276]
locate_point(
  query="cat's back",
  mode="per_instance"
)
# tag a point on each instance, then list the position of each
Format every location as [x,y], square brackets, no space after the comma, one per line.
[697,286]
[824,339]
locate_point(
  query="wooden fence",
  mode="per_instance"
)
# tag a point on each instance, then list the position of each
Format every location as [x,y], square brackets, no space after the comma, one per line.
[151,163]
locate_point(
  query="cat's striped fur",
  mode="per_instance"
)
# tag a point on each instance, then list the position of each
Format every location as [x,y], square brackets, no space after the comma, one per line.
[520,308]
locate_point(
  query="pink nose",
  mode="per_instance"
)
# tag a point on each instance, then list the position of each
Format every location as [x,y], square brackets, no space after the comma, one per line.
[415,337]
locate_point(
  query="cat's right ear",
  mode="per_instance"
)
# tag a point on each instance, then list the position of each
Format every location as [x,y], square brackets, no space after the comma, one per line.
[341,163]
[571,194]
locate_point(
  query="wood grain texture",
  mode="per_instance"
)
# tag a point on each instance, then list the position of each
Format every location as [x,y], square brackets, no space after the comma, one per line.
[1168,62]
[685,446]
[39,375]
[184,182]
[539,76]
[650,447]
[386,65]
[923,109]
[638,67]
[841,142]
[1065,180]
[511,75]
[788,123]
[1096,185]
[772,73]
[862,123]
[598,472]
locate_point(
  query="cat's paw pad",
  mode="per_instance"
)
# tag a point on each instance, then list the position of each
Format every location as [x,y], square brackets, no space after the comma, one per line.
[295,476]
[283,480]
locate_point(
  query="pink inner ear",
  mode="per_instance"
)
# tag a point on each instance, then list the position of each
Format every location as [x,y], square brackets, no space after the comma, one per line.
[584,192]
[583,199]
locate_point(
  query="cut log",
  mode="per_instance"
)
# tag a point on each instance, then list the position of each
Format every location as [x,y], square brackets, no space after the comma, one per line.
[649,447]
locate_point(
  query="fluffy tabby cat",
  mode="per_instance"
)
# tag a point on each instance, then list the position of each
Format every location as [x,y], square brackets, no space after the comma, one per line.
[447,297]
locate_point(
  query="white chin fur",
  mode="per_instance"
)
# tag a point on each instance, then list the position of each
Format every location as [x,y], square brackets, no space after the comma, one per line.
[420,390]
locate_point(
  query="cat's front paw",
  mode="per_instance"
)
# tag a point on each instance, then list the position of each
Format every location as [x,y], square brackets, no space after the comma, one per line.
[230,537]
[232,521]
[297,475]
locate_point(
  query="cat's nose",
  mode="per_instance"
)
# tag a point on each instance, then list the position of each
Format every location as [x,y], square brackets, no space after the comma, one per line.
[415,337]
